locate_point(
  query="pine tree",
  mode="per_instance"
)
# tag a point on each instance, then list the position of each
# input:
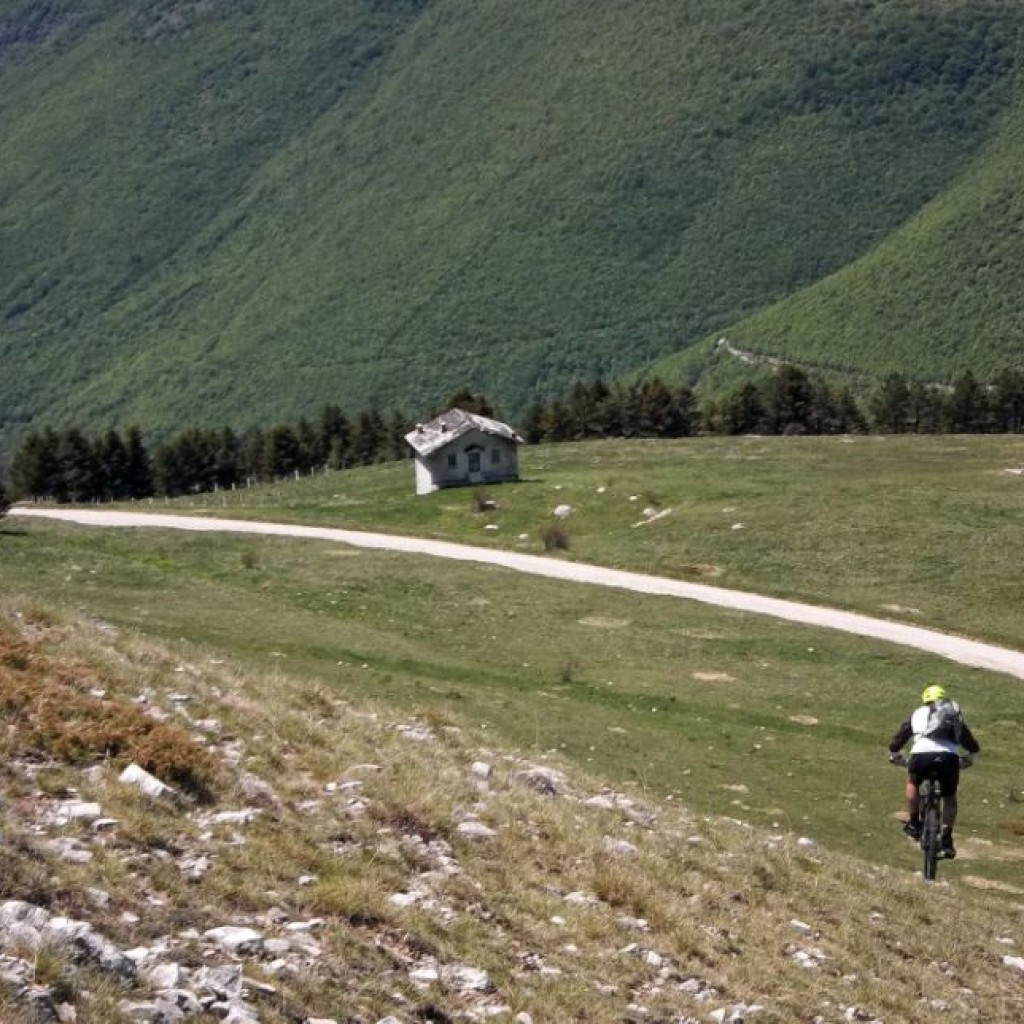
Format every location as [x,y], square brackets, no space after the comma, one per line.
[113,458]
[742,412]
[789,401]
[968,406]
[35,469]
[139,471]
[80,467]
[891,405]
[1007,401]
[335,436]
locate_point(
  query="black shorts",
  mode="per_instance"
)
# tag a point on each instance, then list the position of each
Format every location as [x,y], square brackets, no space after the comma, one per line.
[940,765]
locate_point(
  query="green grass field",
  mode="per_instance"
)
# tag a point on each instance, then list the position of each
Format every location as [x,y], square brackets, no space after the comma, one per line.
[671,696]
[922,529]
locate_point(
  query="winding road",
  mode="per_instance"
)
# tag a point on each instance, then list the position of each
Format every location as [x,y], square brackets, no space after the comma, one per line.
[959,649]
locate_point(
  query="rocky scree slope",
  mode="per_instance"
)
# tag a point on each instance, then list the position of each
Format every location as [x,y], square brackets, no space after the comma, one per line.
[185,842]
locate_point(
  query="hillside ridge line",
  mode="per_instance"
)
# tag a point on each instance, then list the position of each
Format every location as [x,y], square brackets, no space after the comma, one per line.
[962,650]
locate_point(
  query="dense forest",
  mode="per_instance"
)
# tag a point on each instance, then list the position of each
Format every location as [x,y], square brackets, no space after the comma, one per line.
[70,466]
[209,209]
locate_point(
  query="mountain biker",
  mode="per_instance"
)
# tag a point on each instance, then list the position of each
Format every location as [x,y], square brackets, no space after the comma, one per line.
[938,731]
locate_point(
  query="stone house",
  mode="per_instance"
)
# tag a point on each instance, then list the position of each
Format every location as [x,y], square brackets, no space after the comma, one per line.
[458,448]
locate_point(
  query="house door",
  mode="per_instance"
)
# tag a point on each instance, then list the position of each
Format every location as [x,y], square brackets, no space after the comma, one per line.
[473,459]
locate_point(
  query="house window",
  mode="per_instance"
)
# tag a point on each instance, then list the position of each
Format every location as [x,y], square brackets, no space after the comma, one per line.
[495,456]
[453,460]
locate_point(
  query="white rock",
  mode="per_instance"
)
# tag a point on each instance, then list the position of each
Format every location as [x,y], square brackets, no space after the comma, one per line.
[562,511]
[242,817]
[481,770]
[235,939]
[619,847]
[164,976]
[466,979]
[149,784]
[544,780]
[405,899]
[425,974]
[807,844]
[475,830]
[70,850]
[581,899]
[801,926]
[1016,962]
[79,810]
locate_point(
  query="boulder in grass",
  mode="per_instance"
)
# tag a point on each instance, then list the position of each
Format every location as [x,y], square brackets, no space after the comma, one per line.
[136,776]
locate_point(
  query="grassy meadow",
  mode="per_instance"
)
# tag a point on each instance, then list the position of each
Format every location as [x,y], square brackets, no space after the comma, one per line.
[922,529]
[773,723]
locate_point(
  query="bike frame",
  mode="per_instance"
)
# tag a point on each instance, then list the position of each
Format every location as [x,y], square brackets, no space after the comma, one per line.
[930,794]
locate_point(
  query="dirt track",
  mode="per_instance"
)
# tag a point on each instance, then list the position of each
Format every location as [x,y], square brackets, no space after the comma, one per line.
[954,648]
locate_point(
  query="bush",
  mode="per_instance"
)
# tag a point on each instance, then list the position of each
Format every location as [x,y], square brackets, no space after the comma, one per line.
[50,710]
[555,537]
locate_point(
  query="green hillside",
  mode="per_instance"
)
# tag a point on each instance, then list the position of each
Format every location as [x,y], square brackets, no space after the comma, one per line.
[238,212]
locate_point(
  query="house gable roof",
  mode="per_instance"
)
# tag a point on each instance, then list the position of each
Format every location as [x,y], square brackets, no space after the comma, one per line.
[453,424]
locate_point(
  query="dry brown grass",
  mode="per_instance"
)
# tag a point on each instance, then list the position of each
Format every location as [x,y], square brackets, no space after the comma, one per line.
[58,710]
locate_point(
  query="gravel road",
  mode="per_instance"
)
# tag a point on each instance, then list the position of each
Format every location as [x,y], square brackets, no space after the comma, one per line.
[954,648]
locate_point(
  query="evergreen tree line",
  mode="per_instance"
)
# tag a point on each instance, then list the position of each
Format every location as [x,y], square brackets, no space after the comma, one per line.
[788,402]
[70,466]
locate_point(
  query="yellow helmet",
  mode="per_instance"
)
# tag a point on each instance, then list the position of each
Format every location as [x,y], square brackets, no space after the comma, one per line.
[932,694]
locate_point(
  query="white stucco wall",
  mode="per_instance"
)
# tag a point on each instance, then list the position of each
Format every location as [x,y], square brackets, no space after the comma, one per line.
[434,471]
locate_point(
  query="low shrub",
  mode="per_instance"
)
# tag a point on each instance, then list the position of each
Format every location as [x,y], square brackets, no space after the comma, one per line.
[555,537]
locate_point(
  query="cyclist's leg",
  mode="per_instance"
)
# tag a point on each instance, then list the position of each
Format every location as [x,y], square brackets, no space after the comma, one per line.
[913,795]
[913,799]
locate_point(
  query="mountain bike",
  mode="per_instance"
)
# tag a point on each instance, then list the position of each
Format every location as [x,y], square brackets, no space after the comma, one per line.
[930,794]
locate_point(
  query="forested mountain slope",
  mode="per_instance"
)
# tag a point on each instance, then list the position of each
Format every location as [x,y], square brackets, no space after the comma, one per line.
[214,212]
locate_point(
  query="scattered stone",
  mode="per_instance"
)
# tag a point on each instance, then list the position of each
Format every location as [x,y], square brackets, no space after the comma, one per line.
[466,979]
[810,958]
[582,899]
[195,868]
[546,781]
[71,850]
[475,830]
[619,847]
[243,817]
[133,775]
[240,941]
[416,733]
[1014,962]
[562,511]
[481,770]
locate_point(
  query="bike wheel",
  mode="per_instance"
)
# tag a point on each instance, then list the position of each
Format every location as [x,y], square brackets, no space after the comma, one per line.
[930,838]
